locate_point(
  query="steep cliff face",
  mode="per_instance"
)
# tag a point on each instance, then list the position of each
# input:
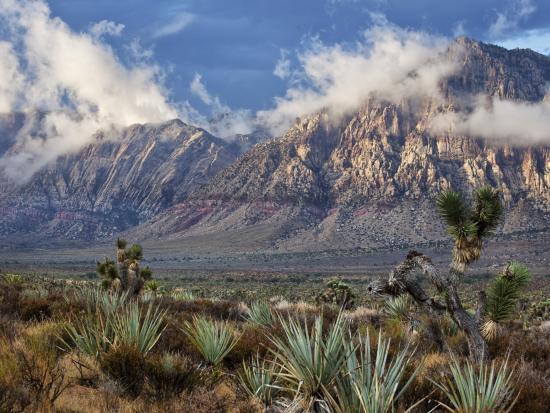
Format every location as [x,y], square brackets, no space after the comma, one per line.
[371,178]
[367,179]
[116,183]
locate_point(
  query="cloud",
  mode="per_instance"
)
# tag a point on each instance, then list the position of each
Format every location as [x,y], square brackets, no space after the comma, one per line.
[536,39]
[283,66]
[509,19]
[389,63]
[517,123]
[174,25]
[224,122]
[74,80]
[106,27]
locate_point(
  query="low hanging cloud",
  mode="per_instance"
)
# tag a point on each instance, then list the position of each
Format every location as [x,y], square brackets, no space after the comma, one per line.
[74,80]
[512,122]
[389,63]
[224,122]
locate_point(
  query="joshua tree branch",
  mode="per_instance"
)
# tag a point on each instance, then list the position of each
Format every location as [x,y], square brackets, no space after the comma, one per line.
[400,281]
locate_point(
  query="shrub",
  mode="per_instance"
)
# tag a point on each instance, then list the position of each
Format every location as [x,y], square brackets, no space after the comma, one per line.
[309,361]
[213,339]
[259,379]
[338,293]
[372,385]
[260,314]
[125,364]
[480,390]
[169,374]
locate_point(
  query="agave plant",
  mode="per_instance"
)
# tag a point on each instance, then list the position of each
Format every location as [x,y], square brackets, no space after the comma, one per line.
[468,226]
[136,328]
[259,380]
[482,390]
[309,362]
[213,339]
[399,307]
[368,385]
[260,313]
[502,297]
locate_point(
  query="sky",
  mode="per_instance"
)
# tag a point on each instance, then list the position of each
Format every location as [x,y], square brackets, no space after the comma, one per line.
[236,66]
[235,45]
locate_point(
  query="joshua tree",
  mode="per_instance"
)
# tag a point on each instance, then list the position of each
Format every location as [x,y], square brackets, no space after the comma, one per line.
[469,227]
[337,292]
[125,274]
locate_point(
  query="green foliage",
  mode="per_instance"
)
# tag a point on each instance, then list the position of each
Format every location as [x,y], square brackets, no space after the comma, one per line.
[338,293]
[259,379]
[308,360]
[146,273]
[152,285]
[503,295]
[213,339]
[135,252]
[469,226]
[107,325]
[260,313]
[399,308]
[182,295]
[13,279]
[135,328]
[372,385]
[478,390]
[121,243]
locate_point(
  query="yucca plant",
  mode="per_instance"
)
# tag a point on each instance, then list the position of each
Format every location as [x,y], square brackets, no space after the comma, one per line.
[13,279]
[260,313]
[182,295]
[468,226]
[372,385]
[503,295]
[479,390]
[399,308]
[96,298]
[137,328]
[213,339]
[259,380]
[92,334]
[310,361]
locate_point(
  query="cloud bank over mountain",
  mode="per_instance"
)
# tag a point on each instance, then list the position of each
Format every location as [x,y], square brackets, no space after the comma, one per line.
[74,79]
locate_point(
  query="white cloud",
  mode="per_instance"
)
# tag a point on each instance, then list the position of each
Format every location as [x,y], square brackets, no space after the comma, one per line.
[390,63]
[517,123]
[199,89]
[174,25]
[509,19]
[74,79]
[535,39]
[283,66]
[106,27]
[224,122]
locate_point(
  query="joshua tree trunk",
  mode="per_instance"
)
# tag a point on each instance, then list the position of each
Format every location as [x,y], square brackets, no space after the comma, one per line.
[122,268]
[400,282]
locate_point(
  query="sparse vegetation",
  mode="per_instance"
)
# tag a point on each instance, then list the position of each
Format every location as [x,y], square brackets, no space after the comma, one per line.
[81,347]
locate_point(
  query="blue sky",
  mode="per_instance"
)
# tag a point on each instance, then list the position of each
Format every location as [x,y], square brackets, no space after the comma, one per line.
[235,44]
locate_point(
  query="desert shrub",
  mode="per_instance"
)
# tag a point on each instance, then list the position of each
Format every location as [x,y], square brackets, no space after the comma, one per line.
[35,309]
[260,313]
[253,339]
[217,310]
[533,387]
[169,374]
[125,365]
[224,397]
[213,339]
[370,384]
[259,379]
[338,293]
[540,311]
[478,389]
[309,360]
[10,299]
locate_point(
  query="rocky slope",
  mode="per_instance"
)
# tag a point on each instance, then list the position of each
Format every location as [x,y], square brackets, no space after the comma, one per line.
[113,184]
[370,179]
[367,180]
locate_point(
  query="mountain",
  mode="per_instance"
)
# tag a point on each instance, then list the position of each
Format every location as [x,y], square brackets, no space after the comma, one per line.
[370,179]
[367,180]
[113,184]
